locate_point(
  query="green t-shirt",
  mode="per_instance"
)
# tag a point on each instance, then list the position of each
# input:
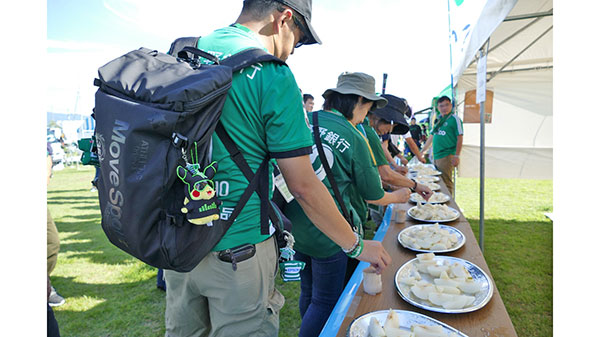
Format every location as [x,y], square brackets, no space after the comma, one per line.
[444,140]
[374,142]
[355,173]
[263,114]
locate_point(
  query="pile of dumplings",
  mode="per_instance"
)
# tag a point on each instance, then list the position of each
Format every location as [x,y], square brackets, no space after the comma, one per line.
[392,328]
[453,286]
[429,237]
[432,212]
[424,169]
[426,179]
[432,186]
[435,197]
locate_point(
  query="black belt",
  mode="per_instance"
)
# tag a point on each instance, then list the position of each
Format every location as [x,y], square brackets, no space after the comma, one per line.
[237,254]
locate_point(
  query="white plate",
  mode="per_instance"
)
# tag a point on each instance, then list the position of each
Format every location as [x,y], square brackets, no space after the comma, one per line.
[452,230]
[481,298]
[433,186]
[360,326]
[422,179]
[446,197]
[457,215]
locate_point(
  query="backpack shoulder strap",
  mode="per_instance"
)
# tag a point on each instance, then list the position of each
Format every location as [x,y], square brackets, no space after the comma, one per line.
[266,208]
[249,57]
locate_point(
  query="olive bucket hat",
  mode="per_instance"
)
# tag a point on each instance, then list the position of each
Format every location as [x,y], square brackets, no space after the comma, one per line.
[394,113]
[360,84]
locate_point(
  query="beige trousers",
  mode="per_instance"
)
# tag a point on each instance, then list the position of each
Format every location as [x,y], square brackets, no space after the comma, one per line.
[444,165]
[214,300]
[52,244]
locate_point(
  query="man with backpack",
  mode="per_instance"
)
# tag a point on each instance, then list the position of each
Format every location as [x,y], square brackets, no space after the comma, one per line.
[231,291]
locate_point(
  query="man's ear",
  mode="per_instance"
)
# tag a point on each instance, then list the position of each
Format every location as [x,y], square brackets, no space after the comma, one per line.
[281,18]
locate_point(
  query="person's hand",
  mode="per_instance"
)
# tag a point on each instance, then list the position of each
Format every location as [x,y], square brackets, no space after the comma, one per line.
[423,191]
[422,159]
[402,170]
[374,253]
[403,160]
[455,160]
[401,195]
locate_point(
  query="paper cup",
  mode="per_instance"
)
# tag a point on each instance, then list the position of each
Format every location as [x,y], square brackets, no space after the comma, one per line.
[371,281]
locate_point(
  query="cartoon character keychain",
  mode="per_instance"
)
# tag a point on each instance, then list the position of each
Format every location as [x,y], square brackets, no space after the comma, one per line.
[200,205]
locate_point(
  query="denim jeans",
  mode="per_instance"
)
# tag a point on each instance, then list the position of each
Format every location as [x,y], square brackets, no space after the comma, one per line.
[321,284]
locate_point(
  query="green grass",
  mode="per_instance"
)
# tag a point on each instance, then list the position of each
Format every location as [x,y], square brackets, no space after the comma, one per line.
[109,293]
[517,245]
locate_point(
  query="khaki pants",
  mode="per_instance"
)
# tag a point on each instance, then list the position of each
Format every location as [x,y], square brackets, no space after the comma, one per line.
[444,165]
[214,300]
[52,245]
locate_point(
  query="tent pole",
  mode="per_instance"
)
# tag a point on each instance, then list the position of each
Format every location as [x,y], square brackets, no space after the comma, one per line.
[482,159]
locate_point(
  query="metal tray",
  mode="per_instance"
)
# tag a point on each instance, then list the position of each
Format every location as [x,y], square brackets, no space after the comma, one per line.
[431,202]
[410,210]
[461,239]
[481,298]
[360,326]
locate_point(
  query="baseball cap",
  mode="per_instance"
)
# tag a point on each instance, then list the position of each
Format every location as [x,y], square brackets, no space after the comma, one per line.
[304,8]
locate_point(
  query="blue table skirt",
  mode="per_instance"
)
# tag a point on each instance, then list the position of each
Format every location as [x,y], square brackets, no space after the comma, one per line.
[333,324]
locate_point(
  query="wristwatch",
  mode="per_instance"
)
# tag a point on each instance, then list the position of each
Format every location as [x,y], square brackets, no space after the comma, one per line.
[414,188]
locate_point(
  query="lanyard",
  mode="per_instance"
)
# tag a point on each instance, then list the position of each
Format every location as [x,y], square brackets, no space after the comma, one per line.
[362,134]
[440,122]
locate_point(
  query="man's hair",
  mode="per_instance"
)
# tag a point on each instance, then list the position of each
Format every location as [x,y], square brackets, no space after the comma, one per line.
[306,97]
[444,98]
[413,119]
[259,9]
[343,103]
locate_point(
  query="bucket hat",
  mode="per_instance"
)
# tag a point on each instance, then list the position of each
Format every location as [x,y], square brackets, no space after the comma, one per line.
[304,8]
[360,84]
[394,113]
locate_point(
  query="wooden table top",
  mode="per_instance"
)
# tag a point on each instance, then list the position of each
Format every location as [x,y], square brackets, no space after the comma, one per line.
[489,321]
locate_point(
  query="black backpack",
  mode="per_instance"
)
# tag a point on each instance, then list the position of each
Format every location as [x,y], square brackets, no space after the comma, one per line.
[155,115]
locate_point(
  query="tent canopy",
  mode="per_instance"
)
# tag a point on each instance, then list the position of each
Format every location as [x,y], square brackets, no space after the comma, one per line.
[519,72]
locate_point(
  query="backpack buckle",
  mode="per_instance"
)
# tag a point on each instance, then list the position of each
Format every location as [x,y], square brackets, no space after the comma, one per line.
[180,141]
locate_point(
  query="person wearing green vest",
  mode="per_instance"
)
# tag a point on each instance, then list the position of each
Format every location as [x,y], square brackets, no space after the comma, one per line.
[447,139]
[263,114]
[385,121]
[355,173]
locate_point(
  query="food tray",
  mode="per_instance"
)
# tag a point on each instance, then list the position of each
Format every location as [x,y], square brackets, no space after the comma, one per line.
[452,230]
[359,326]
[481,298]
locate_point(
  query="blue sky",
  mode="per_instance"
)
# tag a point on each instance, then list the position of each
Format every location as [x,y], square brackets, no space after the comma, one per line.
[406,39]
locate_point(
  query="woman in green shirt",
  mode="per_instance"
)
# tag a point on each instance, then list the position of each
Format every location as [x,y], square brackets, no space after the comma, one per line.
[355,172]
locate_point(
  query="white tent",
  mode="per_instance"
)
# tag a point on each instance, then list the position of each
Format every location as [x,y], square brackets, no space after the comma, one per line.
[518,142]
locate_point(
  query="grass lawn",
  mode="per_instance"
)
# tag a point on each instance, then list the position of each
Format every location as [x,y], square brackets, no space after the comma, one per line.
[109,293]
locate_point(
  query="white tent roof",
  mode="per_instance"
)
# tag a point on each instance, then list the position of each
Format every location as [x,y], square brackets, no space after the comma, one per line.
[519,67]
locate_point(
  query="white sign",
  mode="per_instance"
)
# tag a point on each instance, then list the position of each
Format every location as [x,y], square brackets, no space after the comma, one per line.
[481,78]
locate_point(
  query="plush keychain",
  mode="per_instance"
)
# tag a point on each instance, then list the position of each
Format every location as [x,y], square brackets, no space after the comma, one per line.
[200,205]
[290,268]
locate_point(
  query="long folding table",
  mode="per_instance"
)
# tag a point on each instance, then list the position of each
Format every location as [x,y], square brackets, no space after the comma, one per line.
[489,321]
